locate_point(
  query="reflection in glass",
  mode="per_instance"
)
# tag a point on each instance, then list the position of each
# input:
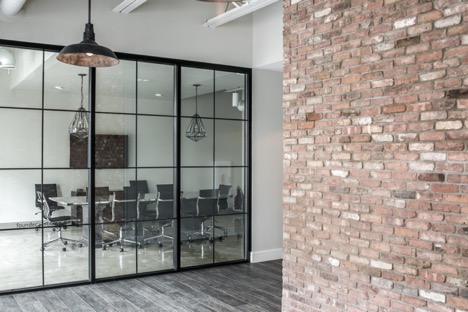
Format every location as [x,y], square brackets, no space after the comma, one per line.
[204,78]
[155,141]
[232,247]
[116,88]
[21,260]
[22,86]
[231,96]
[197,153]
[24,141]
[155,89]
[62,86]
[229,143]
[18,195]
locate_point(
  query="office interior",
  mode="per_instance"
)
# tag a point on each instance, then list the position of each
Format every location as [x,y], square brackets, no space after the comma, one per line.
[128,122]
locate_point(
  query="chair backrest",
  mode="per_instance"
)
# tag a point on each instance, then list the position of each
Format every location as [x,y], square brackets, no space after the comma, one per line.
[224,190]
[239,200]
[101,193]
[140,186]
[124,205]
[207,202]
[47,190]
[165,188]
[223,195]
[165,205]
[44,206]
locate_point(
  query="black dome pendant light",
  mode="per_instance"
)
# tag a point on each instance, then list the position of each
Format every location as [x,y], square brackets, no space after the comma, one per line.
[88,53]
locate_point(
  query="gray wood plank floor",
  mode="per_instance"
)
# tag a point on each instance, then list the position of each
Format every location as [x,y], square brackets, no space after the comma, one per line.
[241,287]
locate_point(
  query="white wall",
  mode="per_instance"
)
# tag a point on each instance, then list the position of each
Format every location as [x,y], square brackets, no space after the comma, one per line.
[267,135]
[268,37]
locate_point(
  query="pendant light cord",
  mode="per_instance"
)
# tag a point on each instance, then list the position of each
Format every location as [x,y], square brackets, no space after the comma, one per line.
[82,97]
[89,11]
[196,99]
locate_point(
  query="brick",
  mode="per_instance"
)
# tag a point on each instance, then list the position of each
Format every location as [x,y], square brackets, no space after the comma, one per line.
[432,295]
[432,177]
[419,166]
[432,75]
[405,22]
[449,125]
[313,116]
[446,22]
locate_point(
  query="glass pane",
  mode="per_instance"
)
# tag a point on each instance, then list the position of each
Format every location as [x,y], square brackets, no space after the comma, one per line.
[65,238]
[155,141]
[115,141]
[203,104]
[19,208]
[157,223]
[21,137]
[116,88]
[229,143]
[230,98]
[62,85]
[58,142]
[197,153]
[155,89]
[232,246]
[197,215]
[116,215]
[22,86]
[21,260]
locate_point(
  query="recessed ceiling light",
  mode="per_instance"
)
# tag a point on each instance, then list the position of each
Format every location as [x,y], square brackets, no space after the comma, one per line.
[143,80]
[158,94]
[58,87]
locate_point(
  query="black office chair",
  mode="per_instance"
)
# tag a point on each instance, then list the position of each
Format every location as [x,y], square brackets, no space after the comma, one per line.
[223,196]
[207,208]
[49,190]
[140,186]
[58,223]
[124,213]
[239,200]
[164,213]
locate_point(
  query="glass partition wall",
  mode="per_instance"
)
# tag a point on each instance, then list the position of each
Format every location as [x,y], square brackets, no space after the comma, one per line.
[167,187]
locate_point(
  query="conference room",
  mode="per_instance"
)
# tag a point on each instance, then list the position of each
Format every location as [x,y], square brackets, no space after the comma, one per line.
[130,170]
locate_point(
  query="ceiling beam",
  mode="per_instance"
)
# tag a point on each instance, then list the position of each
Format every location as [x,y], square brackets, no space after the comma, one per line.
[247,8]
[128,6]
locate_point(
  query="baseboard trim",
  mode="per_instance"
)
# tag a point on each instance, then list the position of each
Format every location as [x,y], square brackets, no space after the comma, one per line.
[266,255]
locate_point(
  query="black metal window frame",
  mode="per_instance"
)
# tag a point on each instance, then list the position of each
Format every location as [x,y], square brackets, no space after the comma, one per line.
[177,168]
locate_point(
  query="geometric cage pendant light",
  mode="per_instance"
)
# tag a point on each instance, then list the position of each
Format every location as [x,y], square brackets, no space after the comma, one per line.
[79,126]
[196,130]
[88,53]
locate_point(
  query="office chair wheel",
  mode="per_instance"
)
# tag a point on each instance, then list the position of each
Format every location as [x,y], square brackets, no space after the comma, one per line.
[121,249]
[104,248]
[53,229]
[64,249]
[211,240]
[42,248]
[110,245]
[65,242]
[220,238]
[160,245]
[80,245]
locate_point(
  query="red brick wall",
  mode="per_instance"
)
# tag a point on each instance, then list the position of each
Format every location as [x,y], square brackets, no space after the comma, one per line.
[375,155]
